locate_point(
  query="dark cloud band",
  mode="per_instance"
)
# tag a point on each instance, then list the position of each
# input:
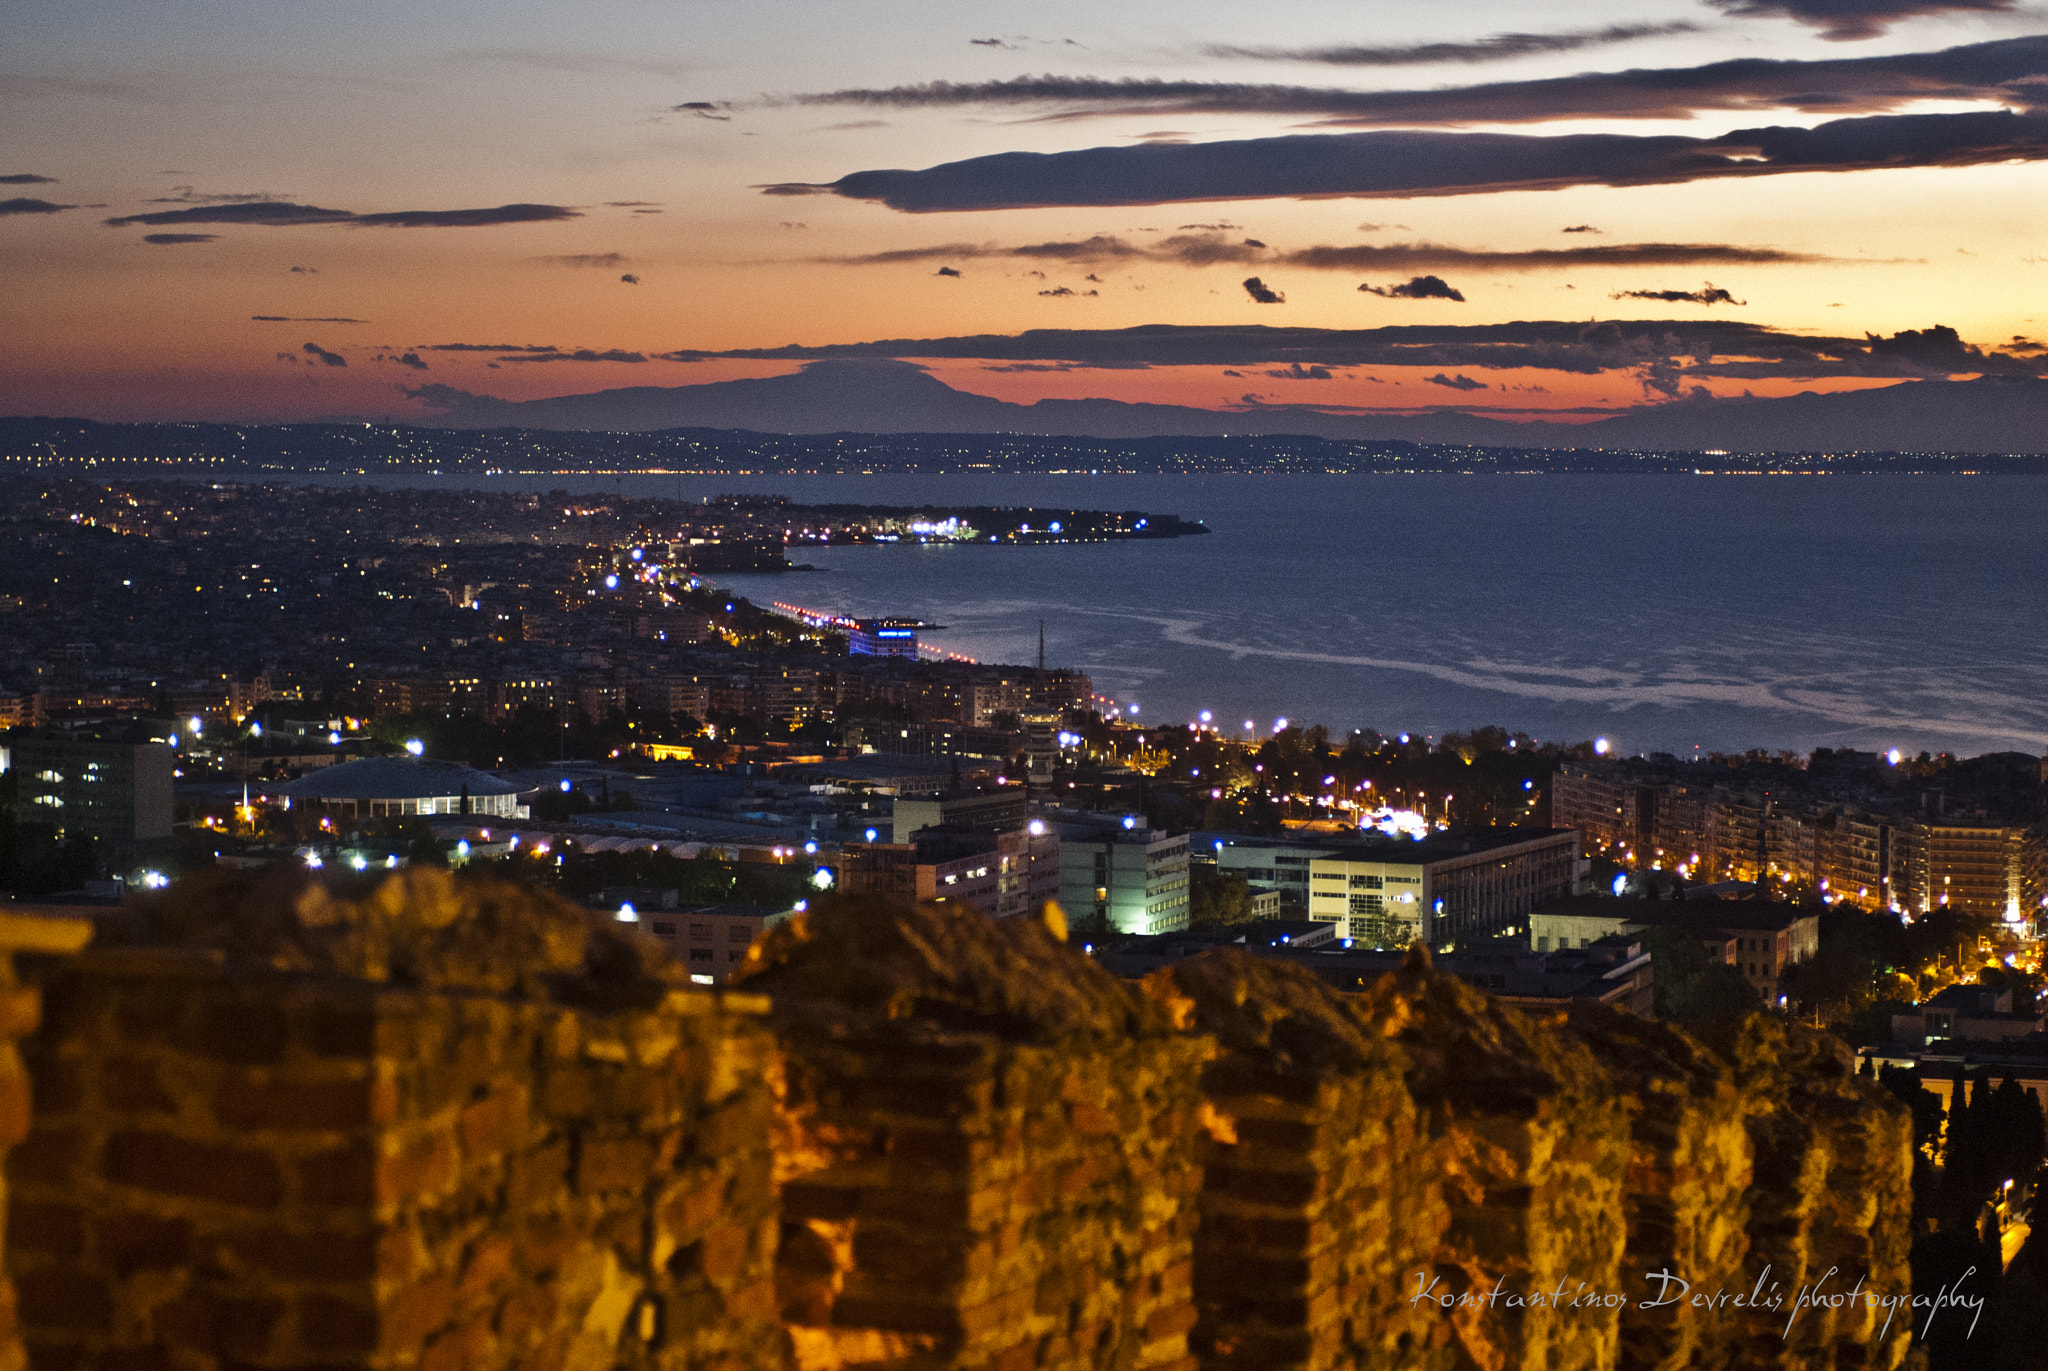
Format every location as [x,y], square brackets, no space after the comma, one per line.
[1208,249]
[2008,71]
[1705,347]
[284,214]
[1842,20]
[1402,163]
[23,204]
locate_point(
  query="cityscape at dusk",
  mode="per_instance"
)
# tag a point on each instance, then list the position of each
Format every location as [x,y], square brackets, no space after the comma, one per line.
[903,687]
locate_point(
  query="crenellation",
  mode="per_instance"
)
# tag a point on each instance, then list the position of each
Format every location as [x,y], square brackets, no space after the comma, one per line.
[912,1139]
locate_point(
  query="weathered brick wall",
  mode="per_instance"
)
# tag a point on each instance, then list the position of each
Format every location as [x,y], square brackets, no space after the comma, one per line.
[1686,1198]
[1831,1202]
[1532,1140]
[233,1166]
[988,1147]
[20,1012]
[444,1126]
[1319,1200]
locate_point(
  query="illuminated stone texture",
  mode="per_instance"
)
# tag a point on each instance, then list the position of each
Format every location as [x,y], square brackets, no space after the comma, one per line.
[1320,1199]
[447,1126]
[988,1147]
[362,1134]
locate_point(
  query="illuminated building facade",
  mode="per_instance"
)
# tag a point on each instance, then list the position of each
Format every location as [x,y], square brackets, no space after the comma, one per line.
[883,637]
[1450,890]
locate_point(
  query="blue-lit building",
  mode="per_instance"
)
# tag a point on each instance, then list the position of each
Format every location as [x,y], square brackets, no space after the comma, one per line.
[884,637]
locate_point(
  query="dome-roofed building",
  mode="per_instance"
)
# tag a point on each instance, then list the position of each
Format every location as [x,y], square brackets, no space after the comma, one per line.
[377,787]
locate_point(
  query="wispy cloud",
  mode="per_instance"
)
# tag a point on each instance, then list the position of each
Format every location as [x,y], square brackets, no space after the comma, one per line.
[579,355]
[1498,47]
[2007,71]
[27,178]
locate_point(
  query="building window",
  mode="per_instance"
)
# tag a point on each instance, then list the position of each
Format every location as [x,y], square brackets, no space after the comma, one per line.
[700,954]
[1367,904]
[662,930]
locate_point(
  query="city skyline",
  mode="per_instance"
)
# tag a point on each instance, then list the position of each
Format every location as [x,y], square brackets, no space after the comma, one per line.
[223,213]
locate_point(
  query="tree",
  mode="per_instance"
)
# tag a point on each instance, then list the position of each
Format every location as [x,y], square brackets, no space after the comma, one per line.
[1690,986]
[1216,898]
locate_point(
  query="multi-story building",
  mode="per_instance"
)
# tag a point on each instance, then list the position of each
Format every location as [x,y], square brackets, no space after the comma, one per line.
[115,792]
[1134,877]
[710,940]
[1267,866]
[1973,868]
[1001,874]
[1596,802]
[1449,890]
[427,695]
[1759,938]
[1856,858]
[996,810]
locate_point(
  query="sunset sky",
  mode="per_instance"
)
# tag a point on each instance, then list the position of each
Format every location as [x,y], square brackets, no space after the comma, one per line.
[264,211]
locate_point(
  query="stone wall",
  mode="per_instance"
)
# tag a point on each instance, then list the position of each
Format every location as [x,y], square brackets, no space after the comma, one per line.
[233,1165]
[444,1125]
[1319,1197]
[20,1013]
[988,1148]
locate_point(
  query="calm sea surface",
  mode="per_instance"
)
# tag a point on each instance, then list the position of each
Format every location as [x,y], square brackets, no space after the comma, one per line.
[1665,613]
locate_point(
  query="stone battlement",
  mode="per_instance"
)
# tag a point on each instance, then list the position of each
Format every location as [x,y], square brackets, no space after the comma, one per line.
[447,1125]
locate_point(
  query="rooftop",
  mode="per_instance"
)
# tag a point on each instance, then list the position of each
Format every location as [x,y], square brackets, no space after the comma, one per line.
[394,778]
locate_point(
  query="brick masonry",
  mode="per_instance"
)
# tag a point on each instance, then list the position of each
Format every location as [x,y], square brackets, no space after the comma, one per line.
[442,1125]
[231,1168]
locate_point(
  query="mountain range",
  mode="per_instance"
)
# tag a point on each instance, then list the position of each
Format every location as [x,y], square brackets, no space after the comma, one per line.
[886,396]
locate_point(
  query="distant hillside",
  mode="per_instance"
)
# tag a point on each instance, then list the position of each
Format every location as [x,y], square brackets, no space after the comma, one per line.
[882,396]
